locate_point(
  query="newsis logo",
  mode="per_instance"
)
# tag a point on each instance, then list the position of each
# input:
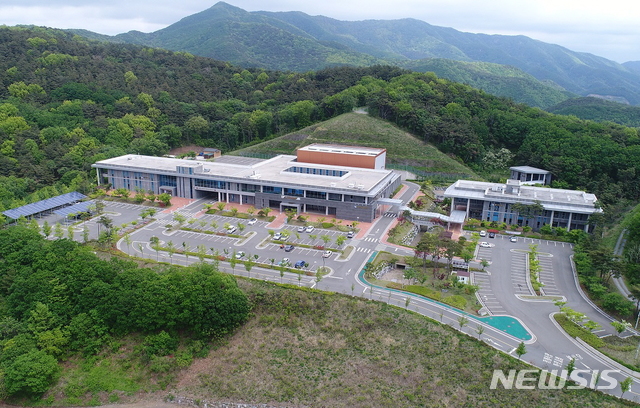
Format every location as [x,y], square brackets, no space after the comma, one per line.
[554,379]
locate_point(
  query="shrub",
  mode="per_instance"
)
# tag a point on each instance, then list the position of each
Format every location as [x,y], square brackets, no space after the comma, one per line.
[421,290]
[617,303]
[160,344]
[327,225]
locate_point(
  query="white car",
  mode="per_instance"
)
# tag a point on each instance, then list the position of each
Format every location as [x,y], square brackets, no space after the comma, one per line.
[284,262]
[239,254]
[327,254]
[301,229]
[485,245]
[277,236]
[231,229]
[483,233]
[513,239]
[309,228]
[252,221]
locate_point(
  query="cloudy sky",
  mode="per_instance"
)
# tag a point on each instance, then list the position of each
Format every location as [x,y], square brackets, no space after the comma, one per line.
[606,28]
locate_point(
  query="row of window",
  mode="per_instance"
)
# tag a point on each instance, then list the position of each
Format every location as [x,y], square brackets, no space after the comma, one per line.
[319,172]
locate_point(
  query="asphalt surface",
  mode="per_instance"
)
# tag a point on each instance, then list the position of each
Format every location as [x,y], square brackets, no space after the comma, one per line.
[504,287]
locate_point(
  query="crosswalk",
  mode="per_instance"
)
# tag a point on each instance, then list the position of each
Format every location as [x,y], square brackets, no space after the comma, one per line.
[364,250]
[390,214]
[371,239]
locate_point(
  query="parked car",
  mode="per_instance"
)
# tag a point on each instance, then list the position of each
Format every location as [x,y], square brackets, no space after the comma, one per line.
[492,235]
[513,239]
[485,245]
[231,229]
[288,248]
[483,233]
[252,221]
[327,254]
[284,262]
[351,234]
[301,228]
[239,254]
[309,228]
[300,264]
[277,236]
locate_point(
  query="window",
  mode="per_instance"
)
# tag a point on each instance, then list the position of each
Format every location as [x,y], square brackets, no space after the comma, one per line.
[210,184]
[272,190]
[317,171]
[335,197]
[294,192]
[170,181]
[316,194]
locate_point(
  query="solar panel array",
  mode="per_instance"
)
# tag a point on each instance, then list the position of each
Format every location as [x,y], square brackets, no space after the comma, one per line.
[80,207]
[44,205]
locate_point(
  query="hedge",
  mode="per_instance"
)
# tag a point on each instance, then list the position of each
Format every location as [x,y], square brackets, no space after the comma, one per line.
[574,330]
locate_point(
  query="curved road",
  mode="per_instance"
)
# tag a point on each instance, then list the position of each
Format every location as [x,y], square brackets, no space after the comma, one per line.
[548,348]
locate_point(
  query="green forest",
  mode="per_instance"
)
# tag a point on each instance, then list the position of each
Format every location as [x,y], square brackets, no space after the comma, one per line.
[67,102]
[59,298]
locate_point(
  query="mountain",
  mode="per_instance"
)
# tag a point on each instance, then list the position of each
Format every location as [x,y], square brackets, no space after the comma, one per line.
[299,42]
[599,110]
[496,79]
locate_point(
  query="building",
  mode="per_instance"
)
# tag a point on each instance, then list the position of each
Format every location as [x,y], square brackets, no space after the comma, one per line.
[349,156]
[282,182]
[210,153]
[530,175]
[498,202]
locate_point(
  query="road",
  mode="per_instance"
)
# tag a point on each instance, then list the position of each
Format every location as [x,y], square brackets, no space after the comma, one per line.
[505,290]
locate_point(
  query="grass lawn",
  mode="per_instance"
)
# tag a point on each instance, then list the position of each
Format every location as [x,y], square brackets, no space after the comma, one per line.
[363,130]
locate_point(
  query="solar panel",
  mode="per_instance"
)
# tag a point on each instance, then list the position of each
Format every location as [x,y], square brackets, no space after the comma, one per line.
[74,209]
[44,205]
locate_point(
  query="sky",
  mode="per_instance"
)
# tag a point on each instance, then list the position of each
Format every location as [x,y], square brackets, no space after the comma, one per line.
[608,29]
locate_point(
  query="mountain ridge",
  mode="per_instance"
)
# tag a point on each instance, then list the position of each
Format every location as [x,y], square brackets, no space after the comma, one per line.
[295,41]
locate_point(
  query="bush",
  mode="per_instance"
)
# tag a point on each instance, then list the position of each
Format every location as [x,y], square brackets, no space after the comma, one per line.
[327,225]
[160,344]
[618,303]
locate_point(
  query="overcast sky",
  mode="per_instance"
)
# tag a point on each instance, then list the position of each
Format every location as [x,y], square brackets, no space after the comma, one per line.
[610,29]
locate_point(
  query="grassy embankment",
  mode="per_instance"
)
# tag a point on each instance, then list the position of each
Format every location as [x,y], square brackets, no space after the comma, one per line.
[364,130]
[303,348]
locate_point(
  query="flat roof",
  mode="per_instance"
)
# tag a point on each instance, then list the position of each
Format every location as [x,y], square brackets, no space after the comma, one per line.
[551,198]
[529,169]
[341,149]
[271,171]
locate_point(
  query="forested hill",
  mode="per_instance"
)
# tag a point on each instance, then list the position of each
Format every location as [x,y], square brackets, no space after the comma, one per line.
[599,110]
[66,102]
[300,42]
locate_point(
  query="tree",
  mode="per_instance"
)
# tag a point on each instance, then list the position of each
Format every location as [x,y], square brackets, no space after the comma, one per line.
[241,227]
[186,247]
[479,330]
[165,199]
[155,244]
[625,385]
[31,373]
[85,234]
[620,326]
[202,252]
[571,366]
[248,265]
[221,205]
[46,229]
[171,248]
[521,350]
[484,264]
[58,232]
[179,218]
[127,240]
[326,239]
[462,321]
[340,240]
[266,211]
[407,300]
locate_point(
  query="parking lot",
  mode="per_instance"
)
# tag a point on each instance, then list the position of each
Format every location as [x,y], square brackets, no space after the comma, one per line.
[506,274]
